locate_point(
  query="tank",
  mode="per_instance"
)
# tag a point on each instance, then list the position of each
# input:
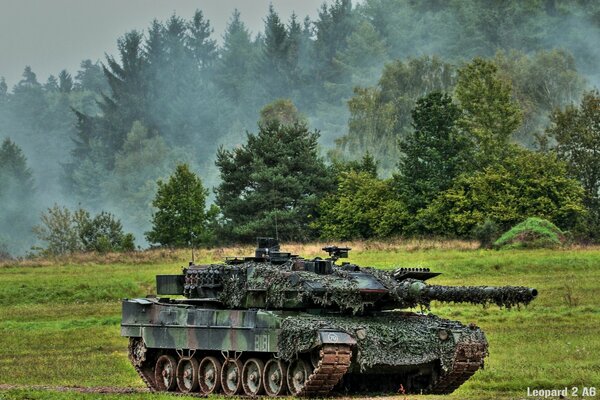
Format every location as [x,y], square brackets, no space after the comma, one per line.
[278,324]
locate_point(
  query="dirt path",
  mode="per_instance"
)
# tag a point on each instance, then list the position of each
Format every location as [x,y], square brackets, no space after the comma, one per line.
[77,389]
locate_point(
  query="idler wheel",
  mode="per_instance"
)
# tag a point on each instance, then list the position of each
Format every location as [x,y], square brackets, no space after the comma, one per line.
[164,373]
[231,377]
[274,375]
[297,375]
[209,375]
[187,375]
[252,377]
[137,351]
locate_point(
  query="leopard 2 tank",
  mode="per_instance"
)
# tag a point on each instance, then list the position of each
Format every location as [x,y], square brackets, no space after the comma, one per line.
[279,324]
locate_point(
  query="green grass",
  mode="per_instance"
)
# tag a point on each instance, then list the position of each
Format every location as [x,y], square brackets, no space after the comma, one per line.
[59,324]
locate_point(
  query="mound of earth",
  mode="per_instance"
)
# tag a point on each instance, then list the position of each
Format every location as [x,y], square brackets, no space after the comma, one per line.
[533,233]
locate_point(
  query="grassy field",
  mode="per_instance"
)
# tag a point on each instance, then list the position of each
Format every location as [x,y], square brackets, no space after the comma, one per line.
[59,320]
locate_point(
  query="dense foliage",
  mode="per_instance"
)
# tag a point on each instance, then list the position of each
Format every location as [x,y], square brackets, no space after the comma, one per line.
[432,90]
[576,131]
[525,184]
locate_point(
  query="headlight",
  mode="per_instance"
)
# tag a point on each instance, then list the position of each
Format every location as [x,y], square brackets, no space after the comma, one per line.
[443,334]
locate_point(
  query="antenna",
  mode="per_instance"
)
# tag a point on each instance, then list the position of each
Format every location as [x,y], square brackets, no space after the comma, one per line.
[276,232]
[192,243]
[190,220]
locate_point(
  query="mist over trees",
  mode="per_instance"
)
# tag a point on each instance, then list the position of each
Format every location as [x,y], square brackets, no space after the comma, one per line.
[363,76]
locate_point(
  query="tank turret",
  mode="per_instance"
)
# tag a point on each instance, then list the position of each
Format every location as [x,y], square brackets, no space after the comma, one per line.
[274,279]
[280,324]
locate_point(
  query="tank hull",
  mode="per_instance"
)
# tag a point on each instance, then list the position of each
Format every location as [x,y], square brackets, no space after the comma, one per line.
[296,352]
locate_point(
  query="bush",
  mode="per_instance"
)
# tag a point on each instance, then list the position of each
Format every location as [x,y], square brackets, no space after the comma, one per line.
[524,184]
[486,233]
[532,233]
[362,207]
[65,232]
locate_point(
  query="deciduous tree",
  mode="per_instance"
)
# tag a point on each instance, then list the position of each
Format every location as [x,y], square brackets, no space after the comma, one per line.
[181,218]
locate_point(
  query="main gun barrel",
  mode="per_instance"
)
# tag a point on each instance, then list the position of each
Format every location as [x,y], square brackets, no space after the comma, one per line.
[415,292]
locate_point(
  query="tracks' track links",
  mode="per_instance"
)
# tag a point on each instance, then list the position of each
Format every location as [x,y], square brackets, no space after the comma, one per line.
[334,362]
[468,358]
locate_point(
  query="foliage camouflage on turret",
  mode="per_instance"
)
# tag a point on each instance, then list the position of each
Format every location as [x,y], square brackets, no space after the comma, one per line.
[282,284]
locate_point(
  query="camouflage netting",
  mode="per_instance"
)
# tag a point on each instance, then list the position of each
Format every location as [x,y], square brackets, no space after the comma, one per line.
[283,286]
[414,292]
[393,339]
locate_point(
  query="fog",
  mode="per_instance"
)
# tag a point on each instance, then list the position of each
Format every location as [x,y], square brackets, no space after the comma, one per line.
[138,97]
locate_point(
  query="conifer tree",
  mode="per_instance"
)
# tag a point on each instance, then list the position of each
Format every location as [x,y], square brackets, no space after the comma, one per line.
[18,199]
[272,184]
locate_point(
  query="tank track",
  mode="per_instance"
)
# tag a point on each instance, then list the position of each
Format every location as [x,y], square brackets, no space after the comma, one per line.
[468,358]
[334,362]
[146,372]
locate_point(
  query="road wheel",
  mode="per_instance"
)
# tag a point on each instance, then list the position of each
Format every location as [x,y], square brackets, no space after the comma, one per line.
[209,375]
[252,377]
[231,377]
[297,375]
[274,375]
[187,375]
[164,373]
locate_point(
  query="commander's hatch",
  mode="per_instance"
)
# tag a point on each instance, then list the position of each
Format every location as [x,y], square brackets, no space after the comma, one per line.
[421,274]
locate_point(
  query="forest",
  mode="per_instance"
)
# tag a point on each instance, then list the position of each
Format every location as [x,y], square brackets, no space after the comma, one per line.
[378,119]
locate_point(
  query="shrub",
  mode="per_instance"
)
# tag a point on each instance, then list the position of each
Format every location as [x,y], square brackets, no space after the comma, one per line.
[532,233]
[524,184]
[486,233]
[363,206]
[65,232]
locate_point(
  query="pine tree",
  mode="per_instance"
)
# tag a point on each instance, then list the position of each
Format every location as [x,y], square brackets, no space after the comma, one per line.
[65,82]
[51,84]
[272,184]
[18,199]
[125,104]
[274,60]
[90,77]
[333,27]
[236,63]
[3,88]
[202,47]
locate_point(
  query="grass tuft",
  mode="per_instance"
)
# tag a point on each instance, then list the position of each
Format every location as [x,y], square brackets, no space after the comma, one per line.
[533,233]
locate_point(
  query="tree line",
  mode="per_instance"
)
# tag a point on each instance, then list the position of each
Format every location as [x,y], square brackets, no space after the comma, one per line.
[100,139]
[458,176]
